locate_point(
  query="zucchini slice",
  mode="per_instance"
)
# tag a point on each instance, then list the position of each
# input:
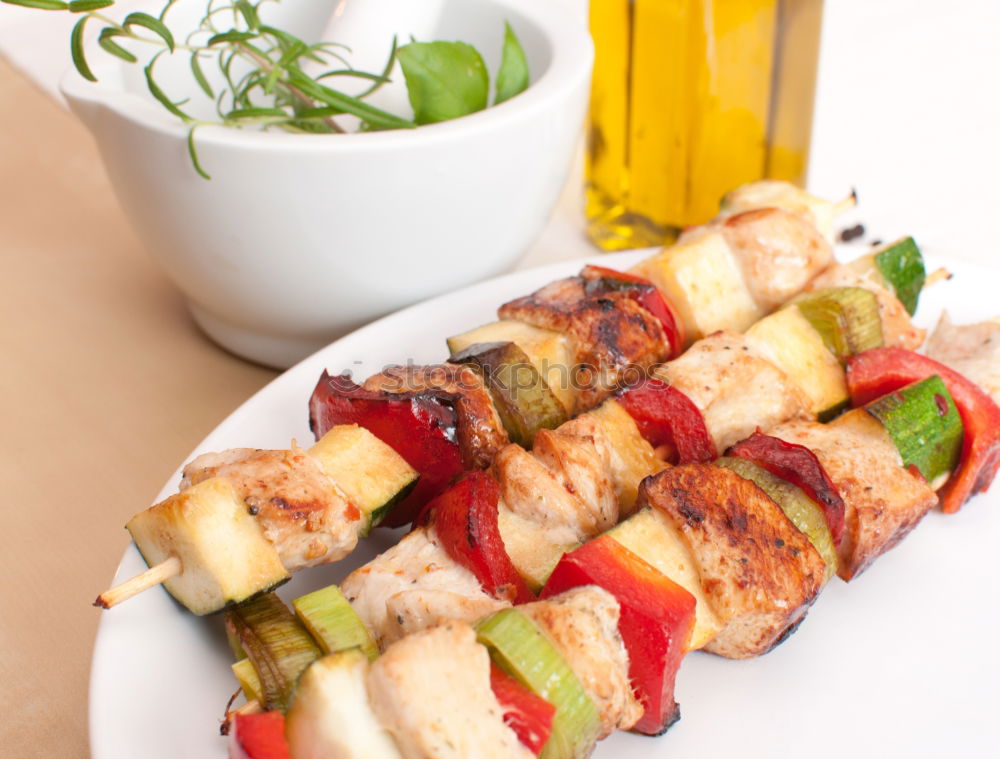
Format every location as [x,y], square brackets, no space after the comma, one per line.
[370,473]
[330,715]
[520,393]
[924,424]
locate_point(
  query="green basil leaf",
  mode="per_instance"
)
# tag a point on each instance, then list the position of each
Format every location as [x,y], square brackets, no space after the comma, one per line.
[76,49]
[154,25]
[444,80]
[106,40]
[512,78]
[45,5]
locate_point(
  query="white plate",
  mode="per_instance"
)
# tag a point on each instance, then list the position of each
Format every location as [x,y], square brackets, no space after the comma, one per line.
[901,662]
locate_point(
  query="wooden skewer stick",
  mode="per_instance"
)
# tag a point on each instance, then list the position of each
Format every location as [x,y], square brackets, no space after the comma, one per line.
[156,574]
[938,275]
[842,206]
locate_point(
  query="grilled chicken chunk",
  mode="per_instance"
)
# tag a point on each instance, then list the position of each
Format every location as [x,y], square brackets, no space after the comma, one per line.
[972,350]
[610,333]
[583,625]
[302,513]
[418,563]
[779,252]
[411,610]
[759,573]
[480,432]
[563,483]
[897,329]
[736,391]
[882,500]
[431,691]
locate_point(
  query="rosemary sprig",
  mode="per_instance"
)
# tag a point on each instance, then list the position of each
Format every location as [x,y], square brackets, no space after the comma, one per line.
[444,79]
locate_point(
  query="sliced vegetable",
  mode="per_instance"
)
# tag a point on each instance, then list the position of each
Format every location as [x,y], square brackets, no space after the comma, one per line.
[258,736]
[528,715]
[798,465]
[246,676]
[789,341]
[530,548]
[876,373]
[650,535]
[225,558]
[465,517]
[924,424]
[548,350]
[897,266]
[668,417]
[801,510]
[521,395]
[847,318]
[331,620]
[330,715]
[419,426]
[902,265]
[277,644]
[519,648]
[601,280]
[635,458]
[657,617]
[371,474]
[702,279]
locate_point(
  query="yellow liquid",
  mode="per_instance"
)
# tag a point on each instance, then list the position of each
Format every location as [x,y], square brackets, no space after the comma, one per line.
[691,98]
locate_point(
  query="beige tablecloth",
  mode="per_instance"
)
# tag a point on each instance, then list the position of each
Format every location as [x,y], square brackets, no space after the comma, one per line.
[105,386]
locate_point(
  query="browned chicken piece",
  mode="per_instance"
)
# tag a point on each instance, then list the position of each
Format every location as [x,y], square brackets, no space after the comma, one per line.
[897,329]
[736,391]
[551,307]
[759,573]
[610,334]
[547,496]
[614,337]
[431,692]
[302,513]
[416,563]
[972,350]
[480,432]
[583,626]
[778,251]
[883,501]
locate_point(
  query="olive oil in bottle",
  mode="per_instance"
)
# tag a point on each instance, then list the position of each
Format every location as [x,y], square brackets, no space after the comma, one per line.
[691,98]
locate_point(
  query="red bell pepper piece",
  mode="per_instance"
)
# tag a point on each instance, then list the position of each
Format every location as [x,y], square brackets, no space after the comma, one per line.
[880,371]
[799,466]
[599,279]
[419,426]
[668,417]
[465,517]
[258,736]
[657,617]
[528,715]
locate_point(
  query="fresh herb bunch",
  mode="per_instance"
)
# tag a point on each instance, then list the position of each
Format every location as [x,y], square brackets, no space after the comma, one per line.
[265,84]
